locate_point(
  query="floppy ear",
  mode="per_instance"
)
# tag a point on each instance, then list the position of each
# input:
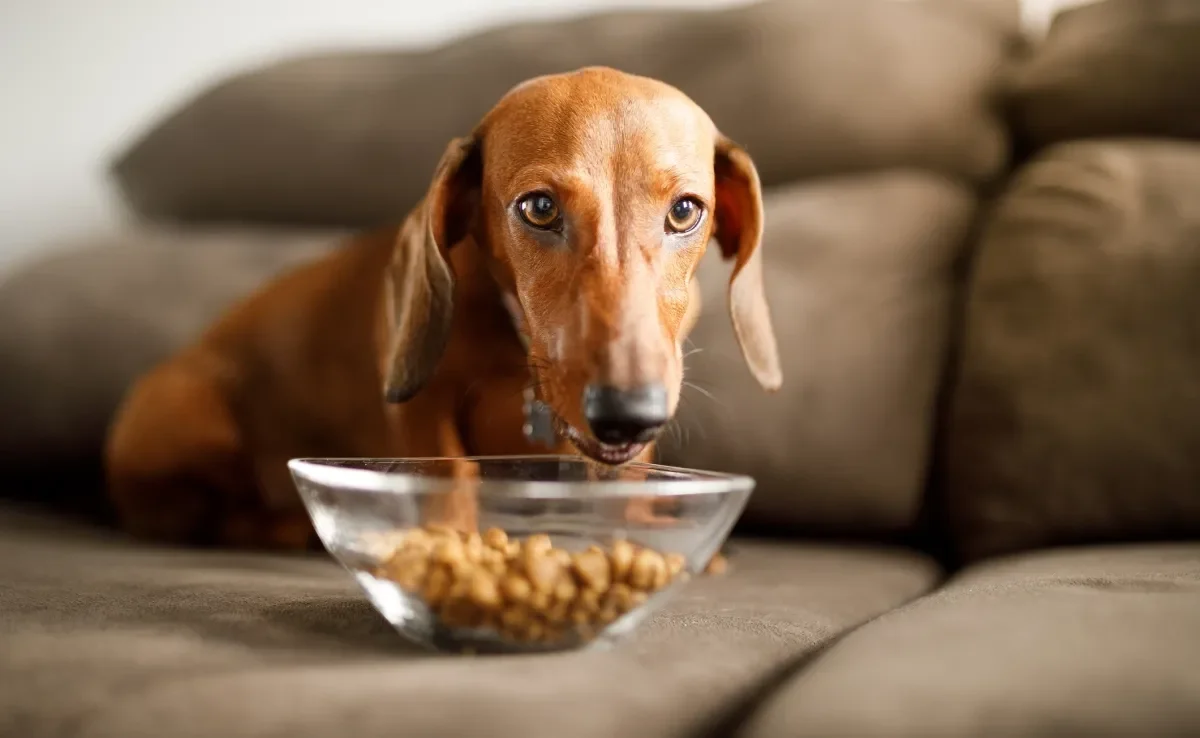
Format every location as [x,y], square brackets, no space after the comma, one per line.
[419,287]
[739,227]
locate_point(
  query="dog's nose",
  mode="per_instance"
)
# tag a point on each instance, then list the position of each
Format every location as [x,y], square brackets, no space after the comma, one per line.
[619,416]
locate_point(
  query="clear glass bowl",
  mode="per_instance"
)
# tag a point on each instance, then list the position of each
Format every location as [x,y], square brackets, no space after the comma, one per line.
[564,553]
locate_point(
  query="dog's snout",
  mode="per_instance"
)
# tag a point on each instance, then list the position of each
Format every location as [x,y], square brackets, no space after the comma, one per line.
[618,416]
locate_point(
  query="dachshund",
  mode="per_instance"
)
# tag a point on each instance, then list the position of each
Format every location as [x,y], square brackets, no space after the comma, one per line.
[555,250]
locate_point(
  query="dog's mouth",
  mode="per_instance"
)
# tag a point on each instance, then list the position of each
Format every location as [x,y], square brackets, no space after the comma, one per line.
[608,454]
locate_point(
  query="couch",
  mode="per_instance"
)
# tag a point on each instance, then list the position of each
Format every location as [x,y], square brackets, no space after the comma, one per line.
[978,501]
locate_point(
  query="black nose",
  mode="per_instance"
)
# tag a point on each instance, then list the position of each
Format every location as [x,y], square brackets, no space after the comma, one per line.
[618,416]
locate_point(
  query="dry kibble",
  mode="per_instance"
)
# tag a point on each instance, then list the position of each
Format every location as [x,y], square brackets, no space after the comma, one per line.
[516,588]
[565,591]
[622,560]
[484,590]
[473,548]
[589,601]
[675,564]
[559,612]
[496,539]
[717,565]
[437,586]
[539,601]
[527,591]
[544,572]
[494,562]
[448,551]
[648,570]
[537,544]
[620,598]
[593,570]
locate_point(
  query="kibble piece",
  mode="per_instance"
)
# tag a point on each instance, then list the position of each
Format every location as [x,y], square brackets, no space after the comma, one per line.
[675,564]
[592,569]
[459,613]
[648,570]
[566,590]
[408,571]
[559,611]
[495,538]
[544,572]
[539,601]
[580,617]
[716,565]
[484,590]
[534,631]
[515,618]
[537,544]
[493,561]
[588,601]
[622,559]
[473,548]
[620,598]
[448,551]
[516,588]
[437,586]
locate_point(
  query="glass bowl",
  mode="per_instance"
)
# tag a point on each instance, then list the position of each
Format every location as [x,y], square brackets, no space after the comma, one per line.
[518,554]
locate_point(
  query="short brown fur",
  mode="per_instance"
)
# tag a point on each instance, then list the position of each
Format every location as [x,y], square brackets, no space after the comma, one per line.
[399,343]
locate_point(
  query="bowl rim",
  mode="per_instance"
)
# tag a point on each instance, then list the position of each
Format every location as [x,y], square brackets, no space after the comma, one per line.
[319,470]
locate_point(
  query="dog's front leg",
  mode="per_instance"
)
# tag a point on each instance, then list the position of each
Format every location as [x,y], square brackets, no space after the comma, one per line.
[425,428]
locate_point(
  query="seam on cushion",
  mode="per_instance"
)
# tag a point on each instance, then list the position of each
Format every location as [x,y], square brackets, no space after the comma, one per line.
[731,722]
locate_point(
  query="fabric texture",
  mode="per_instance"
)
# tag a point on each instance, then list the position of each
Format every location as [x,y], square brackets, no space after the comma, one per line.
[80,325]
[99,637]
[1091,642]
[860,277]
[1075,414]
[352,138]
[1112,68]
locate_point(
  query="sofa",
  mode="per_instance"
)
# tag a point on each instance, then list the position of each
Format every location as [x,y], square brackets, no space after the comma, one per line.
[977,509]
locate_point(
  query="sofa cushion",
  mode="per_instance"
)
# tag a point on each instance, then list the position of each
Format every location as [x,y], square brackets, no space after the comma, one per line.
[1113,68]
[1087,642]
[808,86]
[860,275]
[102,638]
[79,325]
[1076,415]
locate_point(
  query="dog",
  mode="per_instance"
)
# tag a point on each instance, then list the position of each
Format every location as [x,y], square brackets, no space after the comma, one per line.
[555,250]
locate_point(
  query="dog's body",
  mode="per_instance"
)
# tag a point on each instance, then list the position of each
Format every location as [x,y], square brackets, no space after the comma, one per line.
[401,342]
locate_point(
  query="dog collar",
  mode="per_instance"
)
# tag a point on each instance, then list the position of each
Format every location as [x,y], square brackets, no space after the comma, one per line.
[539,418]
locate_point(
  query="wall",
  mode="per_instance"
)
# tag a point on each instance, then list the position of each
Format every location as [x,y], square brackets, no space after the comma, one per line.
[79,78]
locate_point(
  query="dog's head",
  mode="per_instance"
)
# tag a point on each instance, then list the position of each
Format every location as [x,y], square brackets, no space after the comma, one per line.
[592,195]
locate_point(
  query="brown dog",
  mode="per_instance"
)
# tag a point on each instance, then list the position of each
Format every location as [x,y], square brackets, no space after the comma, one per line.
[582,201]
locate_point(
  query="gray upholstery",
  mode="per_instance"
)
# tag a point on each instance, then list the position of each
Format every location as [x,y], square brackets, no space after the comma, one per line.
[1112,68]
[100,637]
[1076,416]
[1080,642]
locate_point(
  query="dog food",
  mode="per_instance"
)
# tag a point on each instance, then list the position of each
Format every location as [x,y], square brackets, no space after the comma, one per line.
[527,591]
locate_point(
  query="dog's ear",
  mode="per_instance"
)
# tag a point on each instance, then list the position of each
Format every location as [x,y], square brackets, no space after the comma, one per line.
[419,288]
[739,228]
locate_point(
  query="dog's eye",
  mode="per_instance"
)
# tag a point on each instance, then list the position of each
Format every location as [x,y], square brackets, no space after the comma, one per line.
[539,210]
[684,215]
